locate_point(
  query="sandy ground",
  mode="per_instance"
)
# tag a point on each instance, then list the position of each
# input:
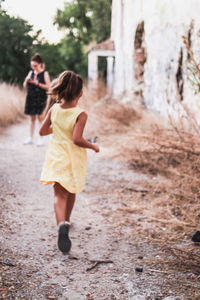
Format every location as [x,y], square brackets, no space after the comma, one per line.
[105,250]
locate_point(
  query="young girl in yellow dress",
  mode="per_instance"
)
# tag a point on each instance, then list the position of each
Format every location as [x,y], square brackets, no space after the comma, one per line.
[65,162]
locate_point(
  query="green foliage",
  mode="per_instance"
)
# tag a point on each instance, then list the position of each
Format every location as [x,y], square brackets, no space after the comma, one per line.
[66,55]
[15,48]
[74,18]
[84,21]
[100,19]
[73,57]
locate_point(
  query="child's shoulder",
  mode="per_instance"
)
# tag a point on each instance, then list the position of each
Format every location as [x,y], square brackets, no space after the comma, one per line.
[78,108]
[78,111]
[72,110]
[54,108]
[55,105]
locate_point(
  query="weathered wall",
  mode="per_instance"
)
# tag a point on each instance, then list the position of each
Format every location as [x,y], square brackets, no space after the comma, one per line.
[165,21]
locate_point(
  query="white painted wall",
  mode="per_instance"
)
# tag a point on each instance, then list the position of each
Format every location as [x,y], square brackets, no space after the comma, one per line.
[165,22]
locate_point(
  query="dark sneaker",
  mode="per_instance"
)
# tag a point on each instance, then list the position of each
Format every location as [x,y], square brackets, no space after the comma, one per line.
[64,243]
[196,237]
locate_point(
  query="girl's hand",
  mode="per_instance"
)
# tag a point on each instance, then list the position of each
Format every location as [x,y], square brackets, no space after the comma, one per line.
[33,81]
[27,79]
[95,148]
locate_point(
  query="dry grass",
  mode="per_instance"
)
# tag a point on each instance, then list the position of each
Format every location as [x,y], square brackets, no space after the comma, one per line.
[164,206]
[12,100]
[172,159]
[167,153]
[107,117]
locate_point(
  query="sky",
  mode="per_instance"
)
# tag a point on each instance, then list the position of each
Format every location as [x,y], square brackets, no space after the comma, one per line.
[38,13]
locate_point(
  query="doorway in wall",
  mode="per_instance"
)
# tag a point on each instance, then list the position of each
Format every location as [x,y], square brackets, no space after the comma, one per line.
[102,68]
[102,77]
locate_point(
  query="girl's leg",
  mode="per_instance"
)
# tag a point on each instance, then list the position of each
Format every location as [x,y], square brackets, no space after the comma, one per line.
[60,203]
[29,140]
[32,128]
[61,200]
[64,203]
[70,205]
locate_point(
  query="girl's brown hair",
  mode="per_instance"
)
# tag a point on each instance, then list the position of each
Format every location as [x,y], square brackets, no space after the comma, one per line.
[69,86]
[37,57]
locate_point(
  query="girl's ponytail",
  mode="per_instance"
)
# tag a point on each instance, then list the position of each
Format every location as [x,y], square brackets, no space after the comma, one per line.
[69,86]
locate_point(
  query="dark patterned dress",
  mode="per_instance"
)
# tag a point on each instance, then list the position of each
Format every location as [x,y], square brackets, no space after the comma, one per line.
[36,97]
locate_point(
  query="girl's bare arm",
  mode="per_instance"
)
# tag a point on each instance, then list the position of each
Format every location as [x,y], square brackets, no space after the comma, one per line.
[46,127]
[78,133]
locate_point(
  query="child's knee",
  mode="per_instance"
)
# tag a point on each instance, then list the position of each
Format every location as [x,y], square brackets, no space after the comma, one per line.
[33,118]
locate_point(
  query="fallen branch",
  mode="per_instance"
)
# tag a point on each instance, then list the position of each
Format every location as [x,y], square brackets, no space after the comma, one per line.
[158,271]
[152,219]
[134,190]
[188,251]
[98,262]
[7,263]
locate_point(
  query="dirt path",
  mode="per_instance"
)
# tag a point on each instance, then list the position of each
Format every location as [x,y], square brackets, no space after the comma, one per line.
[33,268]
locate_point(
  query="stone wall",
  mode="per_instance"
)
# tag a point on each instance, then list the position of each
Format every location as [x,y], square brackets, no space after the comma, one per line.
[165,74]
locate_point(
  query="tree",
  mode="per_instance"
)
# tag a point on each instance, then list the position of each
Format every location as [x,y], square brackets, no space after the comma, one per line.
[18,44]
[73,56]
[100,18]
[15,47]
[85,21]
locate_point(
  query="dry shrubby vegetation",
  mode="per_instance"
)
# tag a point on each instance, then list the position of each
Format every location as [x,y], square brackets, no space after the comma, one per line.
[162,204]
[12,100]
[166,152]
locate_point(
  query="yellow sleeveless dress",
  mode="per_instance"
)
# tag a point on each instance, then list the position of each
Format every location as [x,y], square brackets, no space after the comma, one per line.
[65,162]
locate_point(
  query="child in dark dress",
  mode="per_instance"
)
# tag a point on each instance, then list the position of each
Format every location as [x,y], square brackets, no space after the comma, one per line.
[37,83]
